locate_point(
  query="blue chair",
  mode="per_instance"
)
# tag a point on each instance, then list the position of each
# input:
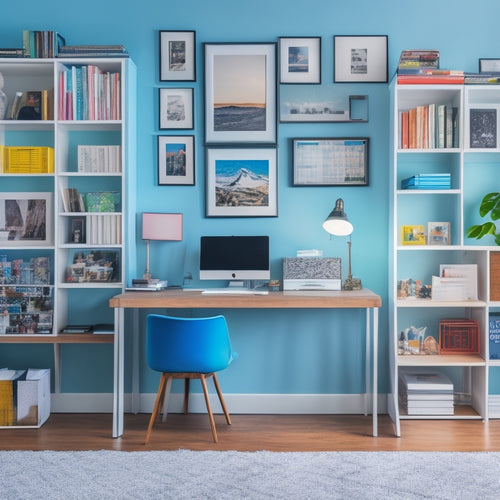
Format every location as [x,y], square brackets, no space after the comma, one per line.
[187,348]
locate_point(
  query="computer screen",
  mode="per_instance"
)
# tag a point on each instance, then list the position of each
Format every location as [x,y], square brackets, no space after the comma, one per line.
[234,258]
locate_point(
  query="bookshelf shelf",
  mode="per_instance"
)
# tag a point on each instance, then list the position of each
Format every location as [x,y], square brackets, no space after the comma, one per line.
[471,171]
[65,137]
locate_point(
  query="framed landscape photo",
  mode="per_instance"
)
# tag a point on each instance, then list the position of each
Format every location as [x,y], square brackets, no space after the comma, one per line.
[240,93]
[176,160]
[300,60]
[26,219]
[177,56]
[176,108]
[330,161]
[360,59]
[241,182]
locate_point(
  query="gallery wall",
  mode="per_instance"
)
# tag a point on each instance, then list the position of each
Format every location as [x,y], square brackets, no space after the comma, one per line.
[295,351]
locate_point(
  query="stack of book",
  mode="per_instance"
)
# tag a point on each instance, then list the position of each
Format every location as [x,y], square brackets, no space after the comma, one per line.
[425,393]
[92,51]
[422,66]
[427,181]
[45,44]
[489,78]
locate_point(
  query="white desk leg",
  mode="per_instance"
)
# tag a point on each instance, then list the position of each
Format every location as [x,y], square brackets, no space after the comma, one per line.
[136,363]
[118,373]
[367,361]
[375,371]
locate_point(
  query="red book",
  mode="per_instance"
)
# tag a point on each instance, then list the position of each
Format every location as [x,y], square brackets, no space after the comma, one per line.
[404,130]
[430,79]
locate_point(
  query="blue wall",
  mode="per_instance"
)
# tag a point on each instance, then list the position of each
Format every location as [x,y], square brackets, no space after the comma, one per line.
[296,348]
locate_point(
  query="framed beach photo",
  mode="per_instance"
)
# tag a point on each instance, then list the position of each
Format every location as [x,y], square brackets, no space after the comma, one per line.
[176,108]
[240,93]
[300,60]
[241,182]
[330,161]
[176,160]
[26,219]
[177,56]
[360,59]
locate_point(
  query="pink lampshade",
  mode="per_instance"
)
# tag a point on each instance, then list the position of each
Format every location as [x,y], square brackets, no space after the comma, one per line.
[157,226]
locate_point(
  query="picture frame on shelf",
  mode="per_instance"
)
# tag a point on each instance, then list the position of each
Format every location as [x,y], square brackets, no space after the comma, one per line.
[489,65]
[94,266]
[177,56]
[333,161]
[176,108]
[483,127]
[438,233]
[300,60]
[413,234]
[26,219]
[361,59]
[240,93]
[176,160]
[77,233]
[241,182]
[320,104]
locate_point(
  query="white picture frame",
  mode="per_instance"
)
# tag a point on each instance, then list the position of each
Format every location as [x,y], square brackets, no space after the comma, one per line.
[176,107]
[300,60]
[258,194]
[360,59]
[26,219]
[177,56]
[176,160]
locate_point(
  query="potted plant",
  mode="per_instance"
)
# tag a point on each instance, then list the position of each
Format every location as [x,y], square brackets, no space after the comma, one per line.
[490,204]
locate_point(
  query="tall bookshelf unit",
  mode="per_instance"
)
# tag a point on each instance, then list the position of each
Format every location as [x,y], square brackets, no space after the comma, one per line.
[72,302]
[474,173]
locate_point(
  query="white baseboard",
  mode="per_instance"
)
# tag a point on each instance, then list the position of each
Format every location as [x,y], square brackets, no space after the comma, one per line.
[236,403]
[494,406]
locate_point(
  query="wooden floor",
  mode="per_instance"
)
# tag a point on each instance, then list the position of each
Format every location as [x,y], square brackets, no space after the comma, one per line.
[255,432]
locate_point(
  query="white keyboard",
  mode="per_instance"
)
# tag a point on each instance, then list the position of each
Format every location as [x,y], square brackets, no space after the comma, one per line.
[232,291]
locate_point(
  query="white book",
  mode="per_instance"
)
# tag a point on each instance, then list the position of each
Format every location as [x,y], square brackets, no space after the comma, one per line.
[426,381]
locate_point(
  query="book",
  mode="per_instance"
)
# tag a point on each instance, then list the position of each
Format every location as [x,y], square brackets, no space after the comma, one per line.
[103,328]
[77,329]
[451,79]
[483,128]
[434,381]
[494,335]
[419,58]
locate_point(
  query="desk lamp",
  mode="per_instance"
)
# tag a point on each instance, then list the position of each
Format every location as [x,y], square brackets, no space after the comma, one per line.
[164,227]
[338,225]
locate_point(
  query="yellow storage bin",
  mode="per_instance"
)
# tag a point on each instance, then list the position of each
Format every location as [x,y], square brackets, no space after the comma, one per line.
[29,160]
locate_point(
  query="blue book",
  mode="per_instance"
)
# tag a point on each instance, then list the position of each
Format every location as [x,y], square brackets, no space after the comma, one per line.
[494,336]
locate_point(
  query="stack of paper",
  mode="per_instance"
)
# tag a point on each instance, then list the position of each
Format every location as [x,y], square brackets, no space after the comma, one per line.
[425,393]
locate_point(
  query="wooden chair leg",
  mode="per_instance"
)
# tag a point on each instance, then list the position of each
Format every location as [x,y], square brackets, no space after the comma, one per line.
[221,399]
[164,403]
[186,395]
[156,409]
[209,409]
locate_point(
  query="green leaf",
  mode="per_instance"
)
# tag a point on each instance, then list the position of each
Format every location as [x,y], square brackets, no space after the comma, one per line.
[489,203]
[497,239]
[479,231]
[473,231]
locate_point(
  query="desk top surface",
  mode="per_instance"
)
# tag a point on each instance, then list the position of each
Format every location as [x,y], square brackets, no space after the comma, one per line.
[180,299]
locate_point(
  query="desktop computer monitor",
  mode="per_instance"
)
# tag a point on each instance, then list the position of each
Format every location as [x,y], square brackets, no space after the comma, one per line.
[234,258]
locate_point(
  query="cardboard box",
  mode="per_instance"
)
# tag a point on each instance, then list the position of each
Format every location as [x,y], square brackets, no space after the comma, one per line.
[495,276]
[24,397]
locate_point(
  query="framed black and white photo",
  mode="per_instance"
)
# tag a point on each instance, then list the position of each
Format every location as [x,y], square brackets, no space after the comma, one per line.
[360,59]
[176,108]
[489,65]
[26,219]
[176,160]
[338,161]
[177,56]
[241,182]
[240,93]
[300,60]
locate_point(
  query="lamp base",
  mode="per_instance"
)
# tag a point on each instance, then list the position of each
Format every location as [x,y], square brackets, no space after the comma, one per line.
[352,284]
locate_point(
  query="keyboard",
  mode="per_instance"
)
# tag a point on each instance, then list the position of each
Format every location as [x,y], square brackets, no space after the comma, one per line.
[232,291]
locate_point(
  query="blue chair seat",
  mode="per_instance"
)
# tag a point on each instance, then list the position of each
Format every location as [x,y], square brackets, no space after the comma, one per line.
[187,348]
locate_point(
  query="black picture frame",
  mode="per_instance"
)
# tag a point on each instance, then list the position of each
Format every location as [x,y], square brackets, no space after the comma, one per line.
[177,50]
[300,60]
[330,161]
[176,160]
[489,65]
[361,59]
[240,93]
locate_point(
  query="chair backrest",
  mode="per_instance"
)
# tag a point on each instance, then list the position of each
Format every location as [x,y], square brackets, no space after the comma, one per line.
[187,345]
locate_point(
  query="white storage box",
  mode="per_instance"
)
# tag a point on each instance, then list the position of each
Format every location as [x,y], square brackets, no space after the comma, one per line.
[24,397]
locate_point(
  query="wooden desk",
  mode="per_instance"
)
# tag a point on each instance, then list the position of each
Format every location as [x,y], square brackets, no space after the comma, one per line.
[179,299]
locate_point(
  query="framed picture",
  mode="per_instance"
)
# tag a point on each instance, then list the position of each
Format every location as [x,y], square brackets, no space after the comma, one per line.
[240,93]
[176,160]
[300,60]
[438,233]
[176,108]
[177,56]
[77,231]
[320,104]
[489,65]
[330,161]
[483,127]
[413,234]
[241,182]
[26,219]
[360,59]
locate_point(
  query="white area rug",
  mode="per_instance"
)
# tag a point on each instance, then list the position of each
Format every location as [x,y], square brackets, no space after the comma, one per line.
[254,475]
